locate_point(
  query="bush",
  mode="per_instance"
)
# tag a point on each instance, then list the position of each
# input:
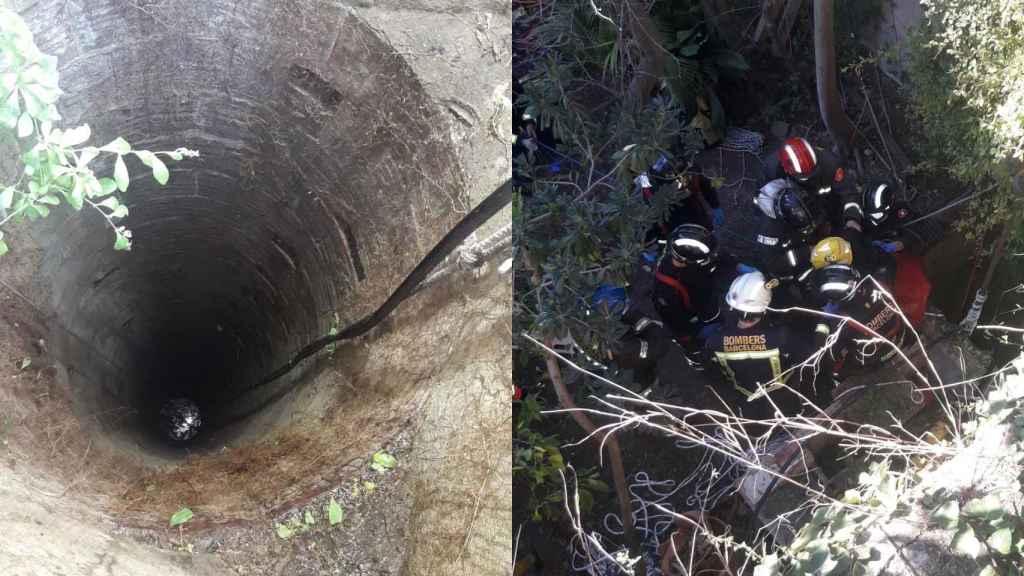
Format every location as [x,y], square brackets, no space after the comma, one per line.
[967,69]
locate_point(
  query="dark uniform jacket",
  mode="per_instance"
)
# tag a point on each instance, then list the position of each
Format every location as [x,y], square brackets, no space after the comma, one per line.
[828,183]
[868,308]
[752,356]
[778,250]
[688,299]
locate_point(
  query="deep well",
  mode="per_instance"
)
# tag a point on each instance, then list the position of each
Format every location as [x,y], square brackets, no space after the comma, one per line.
[327,171]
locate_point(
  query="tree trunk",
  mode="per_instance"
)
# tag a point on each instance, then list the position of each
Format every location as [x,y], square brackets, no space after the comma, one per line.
[651,66]
[838,124]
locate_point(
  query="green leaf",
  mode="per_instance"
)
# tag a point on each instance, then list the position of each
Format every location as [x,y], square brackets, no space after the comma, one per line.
[181,516]
[732,64]
[308,518]
[145,156]
[6,198]
[25,363]
[87,155]
[50,199]
[76,196]
[1001,540]
[76,136]
[965,543]
[334,512]
[109,203]
[121,242]
[121,174]
[175,155]
[33,106]
[160,173]
[107,185]
[41,210]
[948,515]
[382,461]
[284,531]
[690,50]
[10,110]
[988,571]
[988,507]
[44,94]
[118,146]
[3,248]
[120,212]
[25,126]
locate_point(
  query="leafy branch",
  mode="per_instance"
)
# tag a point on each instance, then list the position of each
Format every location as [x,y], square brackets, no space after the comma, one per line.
[55,162]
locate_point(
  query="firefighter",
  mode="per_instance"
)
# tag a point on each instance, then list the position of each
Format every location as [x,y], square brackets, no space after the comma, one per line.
[687,283]
[696,200]
[884,215]
[820,173]
[786,220]
[883,227]
[754,353]
[829,250]
[647,347]
[846,295]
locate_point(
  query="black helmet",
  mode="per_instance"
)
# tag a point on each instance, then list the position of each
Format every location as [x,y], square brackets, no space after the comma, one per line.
[837,281]
[693,244]
[879,199]
[793,207]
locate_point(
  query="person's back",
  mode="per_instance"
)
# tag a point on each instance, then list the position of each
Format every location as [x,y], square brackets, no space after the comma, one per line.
[752,353]
[848,296]
[750,357]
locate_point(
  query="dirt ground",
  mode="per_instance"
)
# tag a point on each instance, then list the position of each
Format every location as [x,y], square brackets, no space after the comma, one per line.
[394,528]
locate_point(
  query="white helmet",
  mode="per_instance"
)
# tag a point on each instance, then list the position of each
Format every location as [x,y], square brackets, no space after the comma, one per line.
[749,294]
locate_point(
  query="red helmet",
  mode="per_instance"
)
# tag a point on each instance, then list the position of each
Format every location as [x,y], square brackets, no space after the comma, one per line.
[798,158]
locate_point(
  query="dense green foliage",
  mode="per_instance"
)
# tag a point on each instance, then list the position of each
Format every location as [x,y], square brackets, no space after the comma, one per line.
[967,68]
[55,162]
[538,458]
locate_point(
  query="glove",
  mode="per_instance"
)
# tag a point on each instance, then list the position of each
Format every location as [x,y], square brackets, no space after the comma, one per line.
[660,165]
[555,167]
[886,246]
[707,331]
[744,269]
[718,217]
[831,308]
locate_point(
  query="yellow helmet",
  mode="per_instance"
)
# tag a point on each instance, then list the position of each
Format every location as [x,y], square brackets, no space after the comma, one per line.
[831,250]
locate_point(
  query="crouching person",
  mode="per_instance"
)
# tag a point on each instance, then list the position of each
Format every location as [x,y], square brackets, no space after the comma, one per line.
[754,353]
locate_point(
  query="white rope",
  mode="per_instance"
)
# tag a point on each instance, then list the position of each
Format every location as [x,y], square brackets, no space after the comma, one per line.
[472,255]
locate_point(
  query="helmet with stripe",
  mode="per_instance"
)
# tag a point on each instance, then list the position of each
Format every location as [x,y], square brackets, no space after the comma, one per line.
[798,158]
[693,244]
[837,281]
[879,199]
